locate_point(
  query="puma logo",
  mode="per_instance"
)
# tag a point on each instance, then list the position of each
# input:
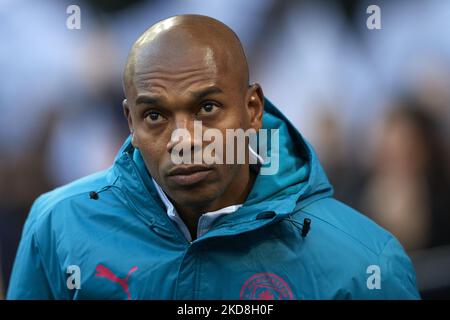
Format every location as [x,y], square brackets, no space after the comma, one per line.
[104,272]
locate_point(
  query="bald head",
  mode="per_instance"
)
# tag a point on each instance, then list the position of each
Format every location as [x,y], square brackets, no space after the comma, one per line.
[187,41]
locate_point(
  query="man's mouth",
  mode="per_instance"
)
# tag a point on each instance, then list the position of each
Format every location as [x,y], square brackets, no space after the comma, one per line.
[188,175]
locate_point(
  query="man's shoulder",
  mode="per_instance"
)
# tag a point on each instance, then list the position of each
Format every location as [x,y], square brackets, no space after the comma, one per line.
[78,190]
[353,249]
[343,225]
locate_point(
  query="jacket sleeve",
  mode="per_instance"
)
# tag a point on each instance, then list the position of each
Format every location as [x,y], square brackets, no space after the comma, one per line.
[29,278]
[398,278]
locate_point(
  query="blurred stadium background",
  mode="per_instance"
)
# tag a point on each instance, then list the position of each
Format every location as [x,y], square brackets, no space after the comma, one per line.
[374,103]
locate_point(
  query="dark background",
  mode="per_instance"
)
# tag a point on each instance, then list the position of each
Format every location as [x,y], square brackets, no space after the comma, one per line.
[374,103]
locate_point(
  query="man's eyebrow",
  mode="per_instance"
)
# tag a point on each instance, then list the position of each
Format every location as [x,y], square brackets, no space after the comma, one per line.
[206,92]
[146,100]
[143,99]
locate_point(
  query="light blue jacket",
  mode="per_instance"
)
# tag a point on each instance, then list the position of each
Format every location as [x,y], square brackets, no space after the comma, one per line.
[119,243]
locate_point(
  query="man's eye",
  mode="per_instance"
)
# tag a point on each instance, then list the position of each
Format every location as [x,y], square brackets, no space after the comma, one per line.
[154,117]
[208,108]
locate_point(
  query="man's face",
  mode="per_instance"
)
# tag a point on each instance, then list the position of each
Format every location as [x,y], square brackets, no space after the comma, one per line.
[171,92]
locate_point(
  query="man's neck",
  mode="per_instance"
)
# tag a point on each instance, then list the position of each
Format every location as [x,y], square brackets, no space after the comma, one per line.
[191,214]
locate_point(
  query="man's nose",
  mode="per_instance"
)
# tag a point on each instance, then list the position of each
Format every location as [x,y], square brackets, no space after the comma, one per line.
[188,135]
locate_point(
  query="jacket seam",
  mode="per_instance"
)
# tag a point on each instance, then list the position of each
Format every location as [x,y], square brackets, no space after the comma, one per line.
[60,201]
[42,262]
[179,271]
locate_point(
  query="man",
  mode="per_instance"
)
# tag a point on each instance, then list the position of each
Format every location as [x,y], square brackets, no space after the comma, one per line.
[152,228]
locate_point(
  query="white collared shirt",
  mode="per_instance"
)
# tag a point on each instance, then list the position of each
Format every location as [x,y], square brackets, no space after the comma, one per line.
[204,222]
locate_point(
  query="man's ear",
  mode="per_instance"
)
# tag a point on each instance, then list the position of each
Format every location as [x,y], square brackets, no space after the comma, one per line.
[255,105]
[127,114]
